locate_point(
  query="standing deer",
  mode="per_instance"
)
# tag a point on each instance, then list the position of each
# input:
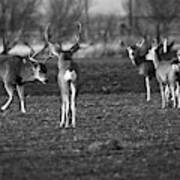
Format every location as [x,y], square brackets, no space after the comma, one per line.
[67,78]
[145,64]
[167,74]
[15,71]
[145,68]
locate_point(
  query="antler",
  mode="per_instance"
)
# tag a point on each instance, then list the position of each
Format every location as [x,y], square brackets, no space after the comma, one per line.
[165,44]
[79,25]
[39,52]
[34,54]
[32,51]
[77,36]
[140,43]
[77,45]
[46,35]
[53,47]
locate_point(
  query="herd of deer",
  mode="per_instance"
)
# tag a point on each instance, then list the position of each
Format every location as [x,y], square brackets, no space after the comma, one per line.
[15,71]
[161,61]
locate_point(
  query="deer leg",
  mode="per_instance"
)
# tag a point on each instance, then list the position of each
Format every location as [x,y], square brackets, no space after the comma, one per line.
[9,89]
[62,113]
[148,93]
[20,91]
[67,111]
[167,93]
[162,95]
[73,104]
[173,95]
[178,95]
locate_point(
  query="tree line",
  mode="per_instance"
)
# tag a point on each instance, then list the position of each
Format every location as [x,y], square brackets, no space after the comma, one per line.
[149,17]
[22,20]
[19,19]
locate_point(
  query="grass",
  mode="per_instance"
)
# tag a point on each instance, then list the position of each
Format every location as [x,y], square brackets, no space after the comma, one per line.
[111,106]
[33,147]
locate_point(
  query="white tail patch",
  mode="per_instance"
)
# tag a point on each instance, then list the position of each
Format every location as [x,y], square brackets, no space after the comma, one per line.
[70,75]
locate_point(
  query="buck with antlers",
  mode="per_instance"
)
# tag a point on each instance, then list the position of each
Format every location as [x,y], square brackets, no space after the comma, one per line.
[15,71]
[68,76]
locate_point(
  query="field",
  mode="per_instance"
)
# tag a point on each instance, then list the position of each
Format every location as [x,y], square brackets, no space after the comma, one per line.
[118,136]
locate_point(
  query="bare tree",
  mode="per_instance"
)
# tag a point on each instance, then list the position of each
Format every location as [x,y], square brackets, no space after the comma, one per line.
[110,27]
[62,16]
[128,6]
[154,15]
[105,27]
[87,5]
[16,18]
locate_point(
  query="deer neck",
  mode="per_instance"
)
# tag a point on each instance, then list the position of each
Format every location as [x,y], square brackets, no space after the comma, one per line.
[139,60]
[60,62]
[155,60]
[152,55]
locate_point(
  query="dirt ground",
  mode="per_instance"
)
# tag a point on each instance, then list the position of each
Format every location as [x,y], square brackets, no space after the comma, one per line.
[33,147]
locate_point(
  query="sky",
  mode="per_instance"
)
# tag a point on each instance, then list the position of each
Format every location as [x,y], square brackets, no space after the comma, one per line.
[107,7]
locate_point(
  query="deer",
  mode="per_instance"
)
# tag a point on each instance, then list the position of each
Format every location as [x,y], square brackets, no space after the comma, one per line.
[67,77]
[15,72]
[144,62]
[167,75]
[165,50]
[145,67]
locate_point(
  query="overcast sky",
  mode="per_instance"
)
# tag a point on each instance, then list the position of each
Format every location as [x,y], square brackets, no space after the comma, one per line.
[107,7]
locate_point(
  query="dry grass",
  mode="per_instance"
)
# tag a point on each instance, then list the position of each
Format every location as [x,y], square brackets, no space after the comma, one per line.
[32,146]
[111,106]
